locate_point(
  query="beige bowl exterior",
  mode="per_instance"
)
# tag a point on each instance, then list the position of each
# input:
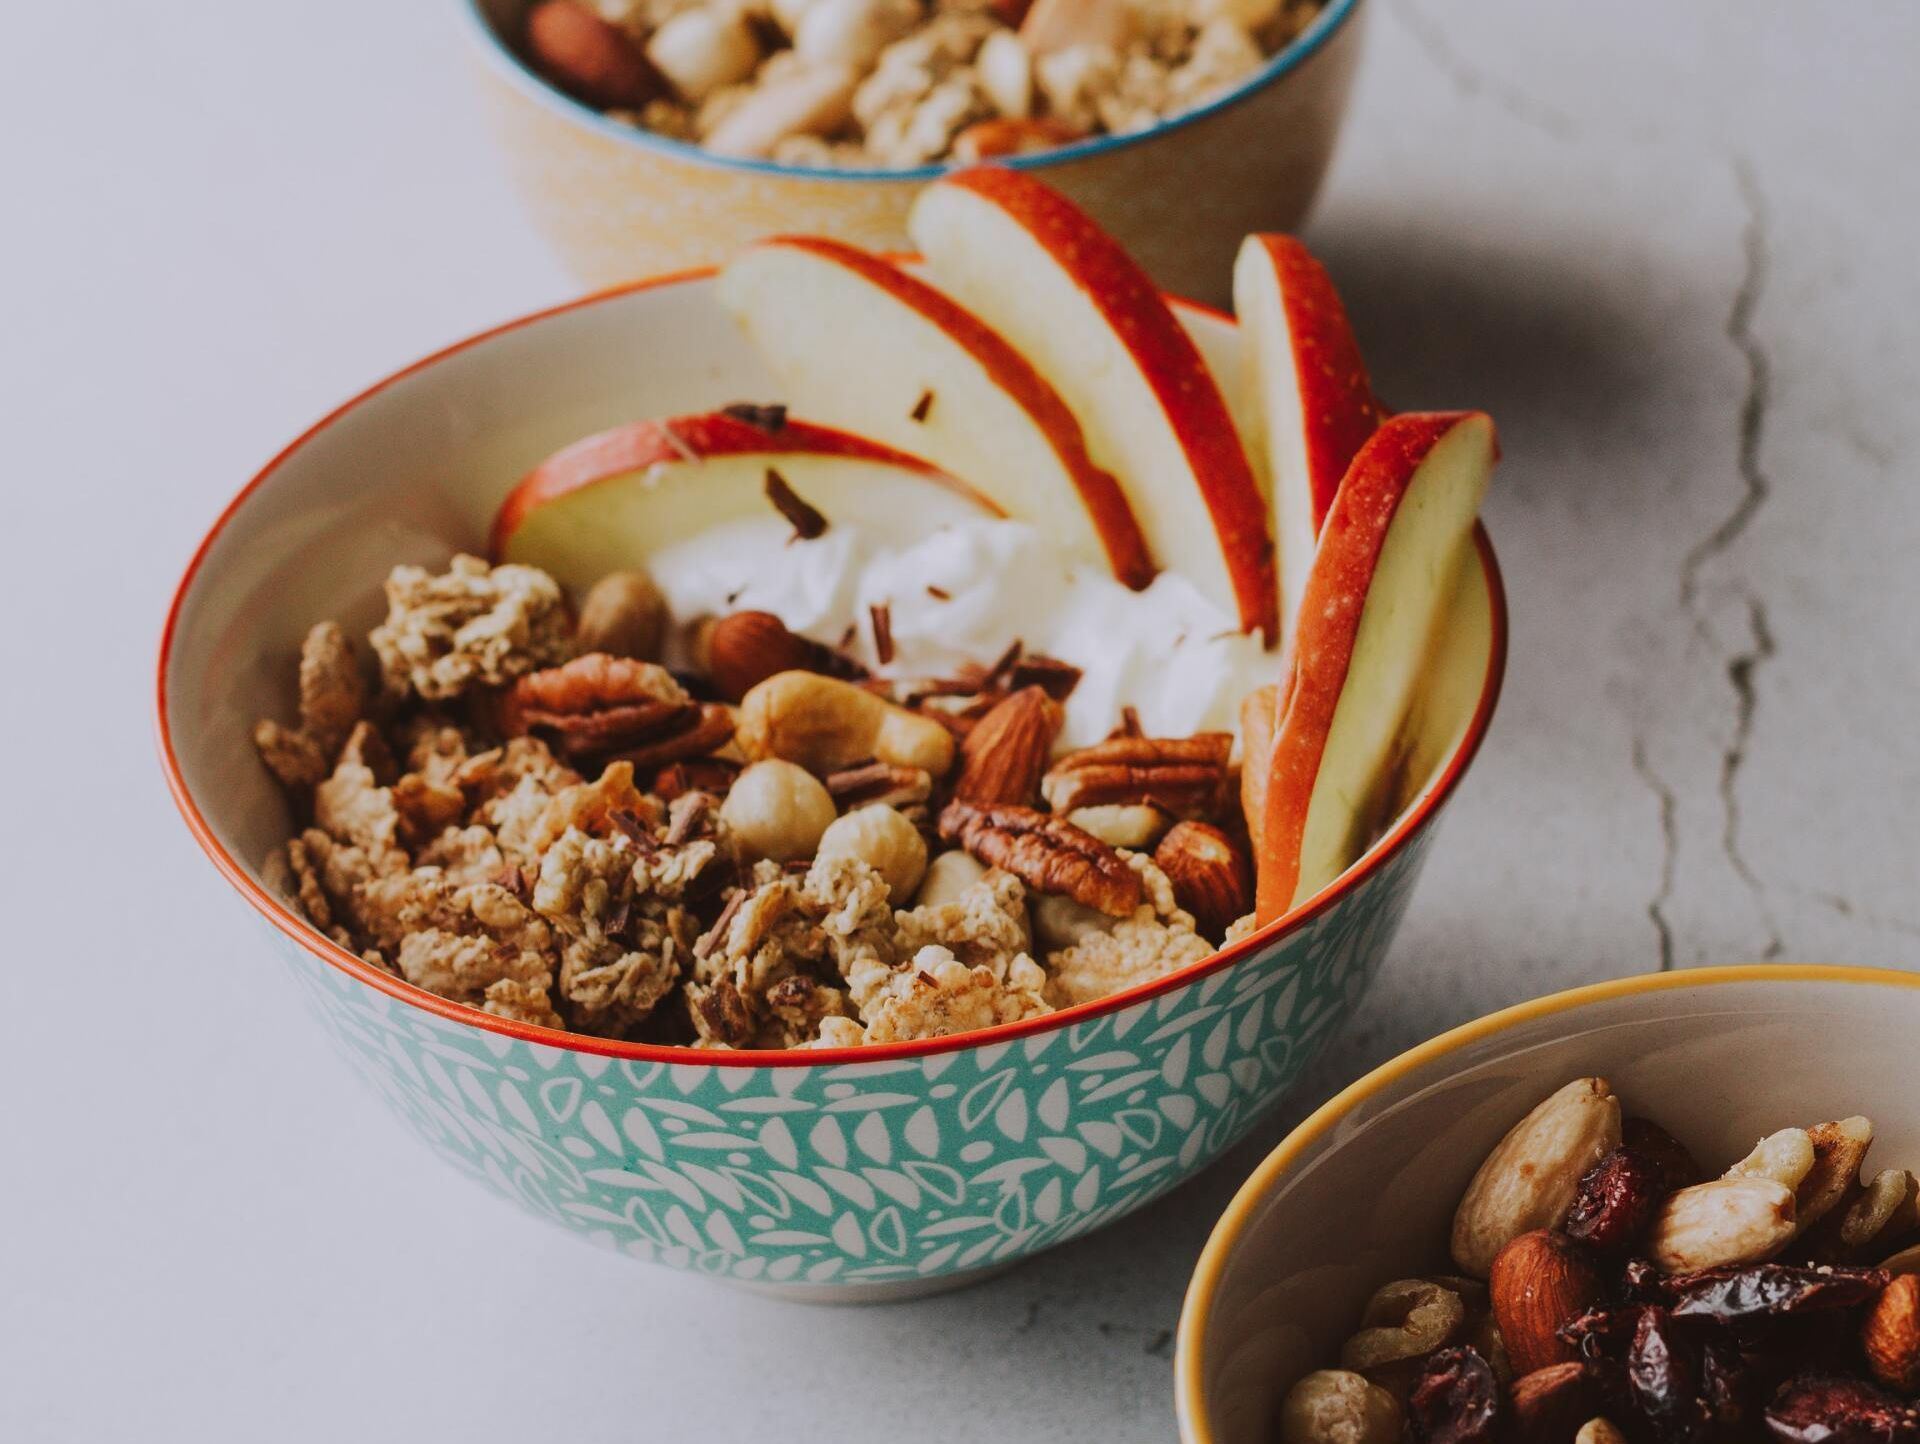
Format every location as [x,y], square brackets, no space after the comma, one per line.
[1363,1192]
[617,203]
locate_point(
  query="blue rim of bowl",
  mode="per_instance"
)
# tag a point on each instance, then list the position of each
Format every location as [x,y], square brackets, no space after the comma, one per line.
[511,67]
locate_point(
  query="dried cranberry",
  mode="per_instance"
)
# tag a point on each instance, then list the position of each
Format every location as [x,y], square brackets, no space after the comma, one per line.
[1825,1410]
[1727,1386]
[1602,1332]
[1668,1154]
[1754,1291]
[1616,1201]
[1457,1400]
[1663,1381]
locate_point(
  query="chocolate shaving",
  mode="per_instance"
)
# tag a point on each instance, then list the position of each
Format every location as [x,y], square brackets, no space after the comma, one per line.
[514,881]
[925,977]
[882,615]
[770,419]
[689,820]
[704,944]
[617,920]
[1130,722]
[922,406]
[1053,676]
[635,828]
[939,594]
[1002,669]
[849,637]
[807,523]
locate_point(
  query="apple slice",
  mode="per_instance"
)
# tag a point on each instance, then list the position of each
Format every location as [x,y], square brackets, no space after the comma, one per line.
[1030,264]
[1389,554]
[858,343]
[612,499]
[1307,384]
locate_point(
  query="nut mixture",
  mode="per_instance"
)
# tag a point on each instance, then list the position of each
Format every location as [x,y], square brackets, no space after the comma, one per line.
[534,817]
[901,83]
[1609,1290]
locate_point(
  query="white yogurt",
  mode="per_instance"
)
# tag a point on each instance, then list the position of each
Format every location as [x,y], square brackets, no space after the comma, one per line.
[962,594]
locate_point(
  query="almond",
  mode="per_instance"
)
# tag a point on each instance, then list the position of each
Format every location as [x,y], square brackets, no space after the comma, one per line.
[1529,1179]
[1211,877]
[1540,1281]
[1891,1335]
[742,649]
[587,57]
[1727,1221]
[1550,1405]
[1006,753]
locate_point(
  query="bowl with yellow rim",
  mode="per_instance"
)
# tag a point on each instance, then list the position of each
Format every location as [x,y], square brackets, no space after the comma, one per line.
[617,201]
[1365,1189]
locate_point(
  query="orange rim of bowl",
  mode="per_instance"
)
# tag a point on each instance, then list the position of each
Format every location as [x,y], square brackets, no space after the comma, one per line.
[1190,1346]
[327,951]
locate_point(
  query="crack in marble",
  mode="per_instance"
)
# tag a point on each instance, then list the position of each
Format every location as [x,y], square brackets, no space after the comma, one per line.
[1472,82]
[1834,902]
[1758,396]
[1742,668]
[1669,850]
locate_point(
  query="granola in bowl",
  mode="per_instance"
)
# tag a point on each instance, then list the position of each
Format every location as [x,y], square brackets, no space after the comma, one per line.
[896,84]
[584,840]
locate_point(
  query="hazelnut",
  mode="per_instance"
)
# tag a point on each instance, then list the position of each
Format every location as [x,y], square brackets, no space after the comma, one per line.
[778,810]
[623,615]
[882,839]
[948,875]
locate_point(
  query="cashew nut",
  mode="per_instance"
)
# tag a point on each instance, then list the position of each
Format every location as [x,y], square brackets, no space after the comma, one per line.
[852,32]
[1005,73]
[825,724]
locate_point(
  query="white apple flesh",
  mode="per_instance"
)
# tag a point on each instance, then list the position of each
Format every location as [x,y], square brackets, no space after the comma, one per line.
[1307,386]
[1035,268]
[1389,555]
[858,343]
[608,502]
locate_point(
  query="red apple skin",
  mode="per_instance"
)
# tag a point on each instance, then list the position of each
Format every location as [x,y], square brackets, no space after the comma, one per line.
[641,444]
[1113,518]
[1335,395]
[1314,670]
[1172,365]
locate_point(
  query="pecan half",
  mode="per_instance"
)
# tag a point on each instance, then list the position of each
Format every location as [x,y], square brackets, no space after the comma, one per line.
[602,706]
[1047,853]
[1187,776]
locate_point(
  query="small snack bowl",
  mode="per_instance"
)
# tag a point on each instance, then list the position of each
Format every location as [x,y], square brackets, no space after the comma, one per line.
[617,201]
[847,1173]
[1365,1191]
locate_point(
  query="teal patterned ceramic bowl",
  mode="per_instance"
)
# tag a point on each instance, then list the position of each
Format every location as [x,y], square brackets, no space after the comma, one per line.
[848,1174]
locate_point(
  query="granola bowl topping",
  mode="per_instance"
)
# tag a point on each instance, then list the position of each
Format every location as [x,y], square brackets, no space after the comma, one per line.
[707,894]
[1675,1207]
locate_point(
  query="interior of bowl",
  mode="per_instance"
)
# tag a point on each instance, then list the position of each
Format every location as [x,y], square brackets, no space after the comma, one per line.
[1364,1192]
[496,22]
[413,470]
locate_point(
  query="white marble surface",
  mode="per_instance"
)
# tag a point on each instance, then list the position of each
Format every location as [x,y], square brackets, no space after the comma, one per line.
[1669,246]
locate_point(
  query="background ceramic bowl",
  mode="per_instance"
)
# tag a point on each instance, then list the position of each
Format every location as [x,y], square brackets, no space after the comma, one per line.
[617,202]
[862,1172]
[1364,1190]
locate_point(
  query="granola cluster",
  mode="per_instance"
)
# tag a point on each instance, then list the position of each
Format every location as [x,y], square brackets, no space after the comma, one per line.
[900,83]
[588,841]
